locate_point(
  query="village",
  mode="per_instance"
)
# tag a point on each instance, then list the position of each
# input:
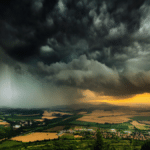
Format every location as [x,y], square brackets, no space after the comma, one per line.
[110,133]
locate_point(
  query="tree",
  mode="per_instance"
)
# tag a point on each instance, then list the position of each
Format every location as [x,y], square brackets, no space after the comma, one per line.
[125,147]
[131,141]
[2,133]
[46,121]
[107,146]
[113,148]
[99,143]
[146,146]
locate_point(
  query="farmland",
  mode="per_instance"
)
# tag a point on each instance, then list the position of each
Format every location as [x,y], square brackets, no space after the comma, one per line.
[17,118]
[47,129]
[141,118]
[4,123]
[122,126]
[140,126]
[103,117]
[145,122]
[38,136]
[55,129]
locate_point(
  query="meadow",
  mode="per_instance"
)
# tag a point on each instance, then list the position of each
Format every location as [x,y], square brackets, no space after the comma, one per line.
[28,117]
[141,118]
[122,126]
[67,143]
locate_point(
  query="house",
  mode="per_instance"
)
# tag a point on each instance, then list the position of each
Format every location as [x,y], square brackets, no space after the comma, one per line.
[127,132]
[113,130]
[16,126]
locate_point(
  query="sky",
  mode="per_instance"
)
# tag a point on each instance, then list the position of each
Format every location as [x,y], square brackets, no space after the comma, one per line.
[60,52]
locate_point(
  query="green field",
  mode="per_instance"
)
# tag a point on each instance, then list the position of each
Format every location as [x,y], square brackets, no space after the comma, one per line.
[10,144]
[123,126]
[17,118]
[141,118]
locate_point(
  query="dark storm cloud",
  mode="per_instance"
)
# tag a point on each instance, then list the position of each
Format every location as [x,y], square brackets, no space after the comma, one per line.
[23,29]
[93,75]
[89,44]
[29,25]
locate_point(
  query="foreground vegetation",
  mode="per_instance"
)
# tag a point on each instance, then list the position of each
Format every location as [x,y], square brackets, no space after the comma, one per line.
[71,143]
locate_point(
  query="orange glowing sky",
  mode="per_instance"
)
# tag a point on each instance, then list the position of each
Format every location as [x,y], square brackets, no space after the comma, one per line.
[138,99]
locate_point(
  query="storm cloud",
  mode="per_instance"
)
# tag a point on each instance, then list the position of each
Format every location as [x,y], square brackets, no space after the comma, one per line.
[103,46]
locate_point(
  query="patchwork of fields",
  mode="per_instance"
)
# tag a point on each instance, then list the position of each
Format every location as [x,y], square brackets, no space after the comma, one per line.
[140,126]
[117,117]
[60,121]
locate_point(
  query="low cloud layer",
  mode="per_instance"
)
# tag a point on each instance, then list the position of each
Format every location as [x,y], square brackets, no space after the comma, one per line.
[102,46]
[95,76]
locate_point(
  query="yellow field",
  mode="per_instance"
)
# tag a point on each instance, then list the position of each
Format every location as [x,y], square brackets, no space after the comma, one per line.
[144,114]
[47,117]
[139,125]
[100,116]
[102,113]
[103,120]
[41,120]
[46,113]
[77,136]
[82,113]
[51,115]
[4,123]
[35,136]
[115,116]
[145,122]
